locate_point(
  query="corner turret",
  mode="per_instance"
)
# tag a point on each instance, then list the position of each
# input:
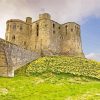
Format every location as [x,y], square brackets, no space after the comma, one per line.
[28,20]
[71,42]
[18,31]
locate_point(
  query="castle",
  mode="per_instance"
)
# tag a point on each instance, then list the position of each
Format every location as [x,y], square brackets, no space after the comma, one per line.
[45,36]
[27,41]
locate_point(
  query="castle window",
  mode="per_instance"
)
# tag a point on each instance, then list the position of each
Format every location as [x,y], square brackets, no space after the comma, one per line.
[21,27]
[53,32]
[66,28]
[59,27]
[71,30]
[46,25]
[37,30]
[24,43]
[13,37]
[53,25]
[14,26]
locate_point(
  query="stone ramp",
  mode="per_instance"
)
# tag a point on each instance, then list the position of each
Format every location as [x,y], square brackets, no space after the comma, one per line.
[13,57]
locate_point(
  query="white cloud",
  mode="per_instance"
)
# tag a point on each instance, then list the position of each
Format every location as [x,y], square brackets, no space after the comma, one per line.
[61,10]
[93,56]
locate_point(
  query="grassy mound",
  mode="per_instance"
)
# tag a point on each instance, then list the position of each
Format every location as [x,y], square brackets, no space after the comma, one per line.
[49,87]
[53,78]
[61,64]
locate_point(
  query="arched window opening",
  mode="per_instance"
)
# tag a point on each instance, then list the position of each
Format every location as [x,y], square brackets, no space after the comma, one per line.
[53,28]
[24,43]
[37,30]
[21,28]
[53,32]
[45,25]
[13,37]
[53,25]
[14,27]
[59,27]
[71,30]
[66,29]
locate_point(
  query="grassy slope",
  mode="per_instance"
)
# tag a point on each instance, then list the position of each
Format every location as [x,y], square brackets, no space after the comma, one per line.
[43,83]
[53,87]
[62,64]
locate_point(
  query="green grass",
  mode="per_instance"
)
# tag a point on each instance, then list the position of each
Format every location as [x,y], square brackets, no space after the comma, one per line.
[53,87]
[54,78]
[62,64]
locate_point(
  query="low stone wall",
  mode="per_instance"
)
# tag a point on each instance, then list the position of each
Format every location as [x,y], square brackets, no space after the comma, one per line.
[13,57]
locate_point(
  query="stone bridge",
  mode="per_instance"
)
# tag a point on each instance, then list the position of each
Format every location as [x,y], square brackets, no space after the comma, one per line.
[13,57]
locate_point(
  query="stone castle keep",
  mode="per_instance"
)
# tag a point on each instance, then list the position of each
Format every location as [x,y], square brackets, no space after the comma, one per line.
[26,41]
[45,36]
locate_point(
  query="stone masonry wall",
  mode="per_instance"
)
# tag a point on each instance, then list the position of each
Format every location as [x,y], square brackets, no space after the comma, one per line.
[13,57]
[46,36]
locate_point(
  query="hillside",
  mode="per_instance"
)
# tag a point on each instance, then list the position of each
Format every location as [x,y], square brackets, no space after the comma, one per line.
[61,64]
[49,87]
[54,78]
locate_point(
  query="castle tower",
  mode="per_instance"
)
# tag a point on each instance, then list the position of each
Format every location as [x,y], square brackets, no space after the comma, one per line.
[45,36]
[18,31]
[71,40]
[40,38]
[44,33]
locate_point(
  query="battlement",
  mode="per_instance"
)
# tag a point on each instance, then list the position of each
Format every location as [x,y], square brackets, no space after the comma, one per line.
[44,16]
[29,20]
[15,20]
[74,23]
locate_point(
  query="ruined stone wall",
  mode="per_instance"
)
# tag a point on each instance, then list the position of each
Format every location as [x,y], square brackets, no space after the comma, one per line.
[13,57]
[46,36]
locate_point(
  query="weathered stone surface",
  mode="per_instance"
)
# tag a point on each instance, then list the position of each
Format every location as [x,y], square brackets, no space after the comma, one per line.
[46,36]
[12,57]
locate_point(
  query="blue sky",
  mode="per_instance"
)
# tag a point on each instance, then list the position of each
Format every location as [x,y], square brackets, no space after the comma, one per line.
[90,32]
[84,12]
